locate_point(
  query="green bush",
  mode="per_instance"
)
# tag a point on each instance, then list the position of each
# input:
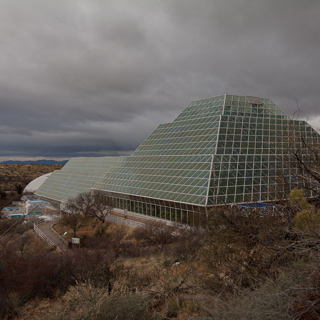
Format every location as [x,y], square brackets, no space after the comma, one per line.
[308,220]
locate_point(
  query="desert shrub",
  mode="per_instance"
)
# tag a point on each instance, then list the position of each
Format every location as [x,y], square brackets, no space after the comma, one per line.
[132,249]
[100,229]
[98,241]
[298,201]
[293,295]
[188,243]
[16,173]
[308,220]
[32,275]
[23,227]
[91,266]
[307,217]
[5,225]
[127,307]
[244,247]
[155,234]
[110,238]
[117,234]
[307,303]
[14,227]
[169,262]
[86,302]
[26,277]
[173,306]
[173,280]
[182,307]
[7,306]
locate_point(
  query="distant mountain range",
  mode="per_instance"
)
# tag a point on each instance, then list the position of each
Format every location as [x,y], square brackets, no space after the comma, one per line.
[47,162]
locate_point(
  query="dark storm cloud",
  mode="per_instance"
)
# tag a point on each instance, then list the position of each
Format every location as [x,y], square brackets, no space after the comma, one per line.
[84,77]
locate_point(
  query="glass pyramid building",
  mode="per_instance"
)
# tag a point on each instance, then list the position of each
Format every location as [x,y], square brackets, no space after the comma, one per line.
[220,150]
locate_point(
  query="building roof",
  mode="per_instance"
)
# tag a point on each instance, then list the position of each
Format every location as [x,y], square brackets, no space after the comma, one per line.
[35,184]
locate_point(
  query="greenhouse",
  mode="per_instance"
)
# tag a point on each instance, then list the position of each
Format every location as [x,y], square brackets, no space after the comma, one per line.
[220,150]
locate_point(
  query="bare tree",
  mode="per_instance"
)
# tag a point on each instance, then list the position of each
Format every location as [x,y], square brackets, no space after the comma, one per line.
[94,204]
[73,221]
[84,203]
[102,206]
[72,217]
[306,158]
[301,158]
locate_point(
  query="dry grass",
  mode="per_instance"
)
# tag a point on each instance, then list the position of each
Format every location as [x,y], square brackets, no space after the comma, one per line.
[92,227]
[189,278]
[22,239]
[37,309]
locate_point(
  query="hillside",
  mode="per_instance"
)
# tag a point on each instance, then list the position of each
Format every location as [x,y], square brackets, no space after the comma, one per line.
[12,175]
[259,265]
[43,161]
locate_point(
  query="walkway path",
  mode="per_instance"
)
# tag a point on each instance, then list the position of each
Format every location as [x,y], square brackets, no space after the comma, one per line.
[131,220]
[46,229]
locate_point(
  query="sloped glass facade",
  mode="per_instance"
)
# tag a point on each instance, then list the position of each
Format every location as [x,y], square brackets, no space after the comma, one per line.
[224,149]
[77,176]
[252,152]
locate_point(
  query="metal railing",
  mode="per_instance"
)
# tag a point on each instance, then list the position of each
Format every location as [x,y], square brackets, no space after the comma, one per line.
[17,203]
[41,234]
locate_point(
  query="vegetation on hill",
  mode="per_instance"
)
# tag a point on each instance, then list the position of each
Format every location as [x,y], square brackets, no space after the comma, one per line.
[14,175]
[43,161]
[248,264]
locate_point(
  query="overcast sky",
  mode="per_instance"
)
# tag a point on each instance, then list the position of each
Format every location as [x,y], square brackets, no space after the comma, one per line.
[95,78]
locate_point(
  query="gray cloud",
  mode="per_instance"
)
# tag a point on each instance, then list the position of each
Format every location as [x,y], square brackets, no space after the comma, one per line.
[82,77]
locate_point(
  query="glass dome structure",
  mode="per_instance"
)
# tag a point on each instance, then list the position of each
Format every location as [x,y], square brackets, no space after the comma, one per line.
[219,150]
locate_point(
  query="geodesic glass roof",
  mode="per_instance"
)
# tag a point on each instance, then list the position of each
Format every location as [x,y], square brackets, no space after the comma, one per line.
[77,176]
[173,178]
[174,162]
[223,149]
